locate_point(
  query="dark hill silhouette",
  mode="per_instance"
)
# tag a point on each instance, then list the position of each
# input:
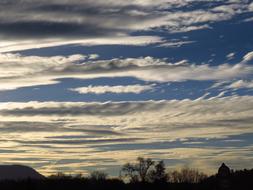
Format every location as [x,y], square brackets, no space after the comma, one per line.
[18,172]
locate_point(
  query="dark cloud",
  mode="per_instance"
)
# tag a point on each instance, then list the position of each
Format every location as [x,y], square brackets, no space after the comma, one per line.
[76,142]
[7,127]
[91,131]
[54,19]
[80,19]
[247,120]
[8,151]
[103,109]
[43,29]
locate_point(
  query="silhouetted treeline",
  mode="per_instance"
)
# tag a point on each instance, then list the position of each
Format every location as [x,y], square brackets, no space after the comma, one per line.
[143,174]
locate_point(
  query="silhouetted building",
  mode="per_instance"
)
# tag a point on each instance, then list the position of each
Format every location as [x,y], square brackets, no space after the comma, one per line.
[223,171]
[223,176]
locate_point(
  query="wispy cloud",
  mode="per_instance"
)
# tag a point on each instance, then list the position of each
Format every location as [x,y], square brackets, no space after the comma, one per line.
[248,57]
[230,56]
[17,45]
[136,89]
[174,44]
[240,84]
[18,71]
[84,22]
[121,131]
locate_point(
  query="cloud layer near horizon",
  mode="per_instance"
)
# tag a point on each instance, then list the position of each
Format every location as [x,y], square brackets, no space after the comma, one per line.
[179,131]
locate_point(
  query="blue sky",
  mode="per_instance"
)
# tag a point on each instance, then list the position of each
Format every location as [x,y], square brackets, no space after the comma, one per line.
[91,85]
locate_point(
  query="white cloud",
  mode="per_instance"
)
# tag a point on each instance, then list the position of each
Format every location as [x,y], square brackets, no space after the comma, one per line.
[93,56]
[240,84]
[248,19]
[251,7]
[248,57]
[231,56]
[8,46]
[221,94]
[232,8]
[219,84]
[189,28]
[136,89]
[175,44]
[18,71]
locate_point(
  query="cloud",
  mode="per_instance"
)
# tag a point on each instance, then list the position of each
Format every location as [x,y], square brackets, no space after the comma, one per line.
[93,56]
[230,56]
[248,19]
[221,94]
[182,29]
[18,71]
[240,84]
[55,22]
[16,45]
[175,44]
[248,57]
[166,115]
[251,7]
[136,89]
[117,132]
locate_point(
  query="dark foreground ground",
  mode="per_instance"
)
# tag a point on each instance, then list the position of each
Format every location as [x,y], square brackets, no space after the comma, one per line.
[239,181]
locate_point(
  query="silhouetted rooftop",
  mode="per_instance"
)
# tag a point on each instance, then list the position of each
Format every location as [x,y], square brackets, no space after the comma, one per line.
[224,170]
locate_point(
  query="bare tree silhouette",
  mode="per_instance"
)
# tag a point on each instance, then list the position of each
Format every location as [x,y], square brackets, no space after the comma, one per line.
[139,171]
[186,175]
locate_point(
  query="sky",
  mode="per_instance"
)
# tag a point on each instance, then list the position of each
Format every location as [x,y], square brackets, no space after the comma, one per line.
[90,85]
